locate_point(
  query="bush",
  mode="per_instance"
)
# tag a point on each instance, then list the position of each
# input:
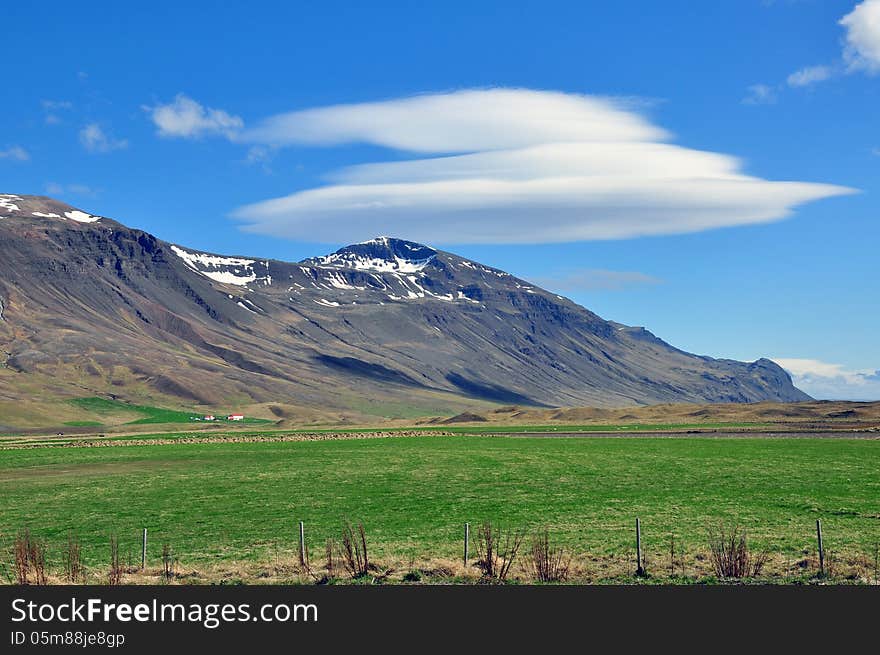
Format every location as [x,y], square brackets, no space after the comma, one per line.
[496,550]
[730,554]
[547,562]
[331,565]
[167,563]
[354,551]
[30,559]
[73,568]
[115,574]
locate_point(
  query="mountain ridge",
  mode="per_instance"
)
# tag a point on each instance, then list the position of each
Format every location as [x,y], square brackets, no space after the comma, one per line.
[99,307]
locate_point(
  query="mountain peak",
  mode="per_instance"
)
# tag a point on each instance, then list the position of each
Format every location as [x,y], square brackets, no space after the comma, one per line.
[394,319]
[40,207]
[379,254]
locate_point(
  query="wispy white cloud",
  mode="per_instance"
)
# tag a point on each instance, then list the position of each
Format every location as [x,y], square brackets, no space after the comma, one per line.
[82,189]
[593,279]
[832,381]
[517,166]
[810,75]
[185,118]
[760,94]
[52,109]
[51,105]
[94,139]
[55,189]
[15,153]
[862,24]
[260,156]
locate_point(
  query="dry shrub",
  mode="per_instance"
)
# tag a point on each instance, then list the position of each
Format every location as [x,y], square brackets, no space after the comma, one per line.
[73,567]
[496,550]
[730,553]
[116,569]
[354,551]
[548,563]
[20,554]
[331,565]
[30,559]
[438,571]
[168,563]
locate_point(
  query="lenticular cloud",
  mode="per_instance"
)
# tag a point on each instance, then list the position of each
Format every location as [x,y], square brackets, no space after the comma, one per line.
[512,166]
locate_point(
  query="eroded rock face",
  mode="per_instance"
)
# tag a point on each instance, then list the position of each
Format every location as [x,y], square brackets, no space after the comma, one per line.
[104,307]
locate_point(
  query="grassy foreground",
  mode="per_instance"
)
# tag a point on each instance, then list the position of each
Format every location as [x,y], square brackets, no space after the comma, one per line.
[224,503]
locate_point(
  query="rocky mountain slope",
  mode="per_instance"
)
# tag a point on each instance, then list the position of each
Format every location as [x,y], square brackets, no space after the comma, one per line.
[89,306]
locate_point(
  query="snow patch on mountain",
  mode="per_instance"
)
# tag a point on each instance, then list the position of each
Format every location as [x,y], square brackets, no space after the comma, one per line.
[396,265]
[81,217]
[338,282]
[483,269]
[227,270]
[6,202]
[243,306]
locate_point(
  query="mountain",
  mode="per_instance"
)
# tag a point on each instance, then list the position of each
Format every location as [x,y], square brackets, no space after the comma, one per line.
[89,306]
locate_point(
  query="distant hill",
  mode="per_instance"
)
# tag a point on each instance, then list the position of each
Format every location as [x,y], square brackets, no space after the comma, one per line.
[91,307]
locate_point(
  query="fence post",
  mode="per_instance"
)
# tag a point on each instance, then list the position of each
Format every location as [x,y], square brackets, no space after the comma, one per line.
[144,551]
[467,540]
[821,548]
[640,569]
[302,544]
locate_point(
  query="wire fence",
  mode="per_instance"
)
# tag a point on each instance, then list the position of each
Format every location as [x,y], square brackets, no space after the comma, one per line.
[468,553]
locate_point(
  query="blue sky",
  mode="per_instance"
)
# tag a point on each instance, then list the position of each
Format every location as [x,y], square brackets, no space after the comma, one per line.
[647,143]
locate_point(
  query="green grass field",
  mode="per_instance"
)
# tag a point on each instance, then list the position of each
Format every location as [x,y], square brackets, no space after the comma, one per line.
[240,501]
[102,407]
